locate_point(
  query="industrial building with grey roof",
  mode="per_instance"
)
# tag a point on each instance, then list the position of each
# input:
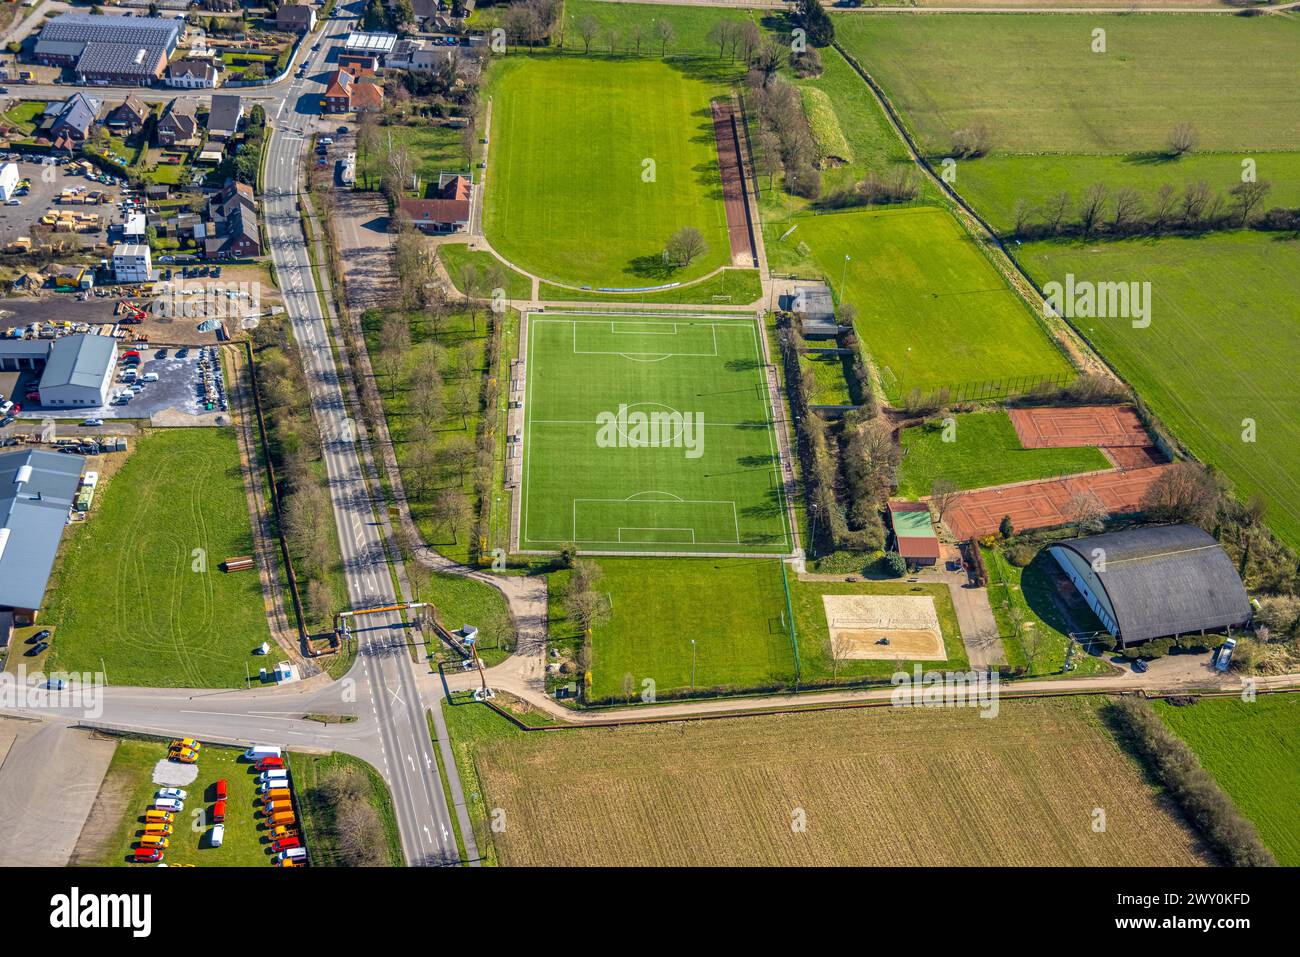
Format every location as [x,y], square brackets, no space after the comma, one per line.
[36,494]
[109,48]
[1154,582]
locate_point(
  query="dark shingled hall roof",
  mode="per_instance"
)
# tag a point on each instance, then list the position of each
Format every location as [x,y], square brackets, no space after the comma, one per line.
[1166,580]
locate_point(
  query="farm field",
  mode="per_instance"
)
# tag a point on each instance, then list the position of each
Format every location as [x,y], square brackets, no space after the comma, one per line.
[649,434]
[655,612]
[131,773]
[932,311]
[137,590]
[1250,747]
[1065,98]
[606,215]
[993,184]
[1221,348]
[690,26]
[985,451]
[880,786]
[815,656]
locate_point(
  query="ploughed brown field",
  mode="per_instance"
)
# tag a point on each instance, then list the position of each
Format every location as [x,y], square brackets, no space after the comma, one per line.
[881,786]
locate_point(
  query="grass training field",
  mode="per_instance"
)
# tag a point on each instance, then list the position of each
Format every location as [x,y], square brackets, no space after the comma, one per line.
[1036,82]
[656,609]
[1220,352]
[138,587]
[881,786]
[595,163]
[984,451]
[932,311]
[1253,750]
[647,434]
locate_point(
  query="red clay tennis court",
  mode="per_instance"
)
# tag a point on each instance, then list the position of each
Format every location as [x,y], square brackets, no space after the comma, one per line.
[1045,504]
[1101,426]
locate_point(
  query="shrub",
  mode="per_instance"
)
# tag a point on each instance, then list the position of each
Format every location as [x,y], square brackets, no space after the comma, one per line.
[1021,554]
[895,564]
[1005,528]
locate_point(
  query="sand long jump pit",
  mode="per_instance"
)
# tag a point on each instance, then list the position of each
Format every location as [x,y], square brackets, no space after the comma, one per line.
[888,627]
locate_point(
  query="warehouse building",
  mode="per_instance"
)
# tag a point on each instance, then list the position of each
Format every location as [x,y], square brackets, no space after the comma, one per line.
[78,372]
[108,49]
[1165,580]
[36,494]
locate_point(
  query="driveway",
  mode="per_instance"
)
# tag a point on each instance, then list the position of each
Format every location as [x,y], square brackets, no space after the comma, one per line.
[49,777]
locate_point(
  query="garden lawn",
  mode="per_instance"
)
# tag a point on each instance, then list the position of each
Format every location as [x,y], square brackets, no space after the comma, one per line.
[594,164]
[733,609]
[137,586]
[432,149]
[1252,748]
[932,311]
[1037,84]
[1217,363]
[985,451]
[464,601]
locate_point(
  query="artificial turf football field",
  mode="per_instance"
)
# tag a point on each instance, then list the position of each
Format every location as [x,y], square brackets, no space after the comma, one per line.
[649,434]
[594,164]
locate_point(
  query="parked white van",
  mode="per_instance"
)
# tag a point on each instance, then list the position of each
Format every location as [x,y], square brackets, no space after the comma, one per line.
[259,751]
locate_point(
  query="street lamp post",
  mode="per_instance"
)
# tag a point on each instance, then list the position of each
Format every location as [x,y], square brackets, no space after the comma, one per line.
[843,272]
[692,664]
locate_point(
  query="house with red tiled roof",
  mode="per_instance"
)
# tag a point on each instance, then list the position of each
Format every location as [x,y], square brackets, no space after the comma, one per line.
[445,212]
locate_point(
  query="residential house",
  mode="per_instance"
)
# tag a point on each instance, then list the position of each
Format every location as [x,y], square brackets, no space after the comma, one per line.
[69,121]
[190,74]
[224,117]
[367,95]
[178,126]
[446,212]
[129,117]
[232,231]
[338,92]
[296,17]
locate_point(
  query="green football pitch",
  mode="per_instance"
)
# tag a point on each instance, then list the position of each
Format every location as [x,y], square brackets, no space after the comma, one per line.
[649,434]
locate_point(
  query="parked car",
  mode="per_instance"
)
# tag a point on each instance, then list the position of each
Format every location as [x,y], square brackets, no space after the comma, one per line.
[56,684]
[162,830]
[175,793]
[149,377]
[148,855]
[273,774]
[185,756]
[221,790]
[179,743]
[92,422]
[285,843]
[1139,666]
[284,830]
[38,649]
[39,636]
[219,812]
[168,804]
[217,836]
[156,816]
[259,751]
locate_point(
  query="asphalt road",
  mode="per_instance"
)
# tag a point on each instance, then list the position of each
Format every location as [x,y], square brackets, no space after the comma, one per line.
[384,672]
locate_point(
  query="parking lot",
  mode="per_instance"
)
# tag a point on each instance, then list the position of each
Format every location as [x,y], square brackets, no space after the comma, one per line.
[47,182]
